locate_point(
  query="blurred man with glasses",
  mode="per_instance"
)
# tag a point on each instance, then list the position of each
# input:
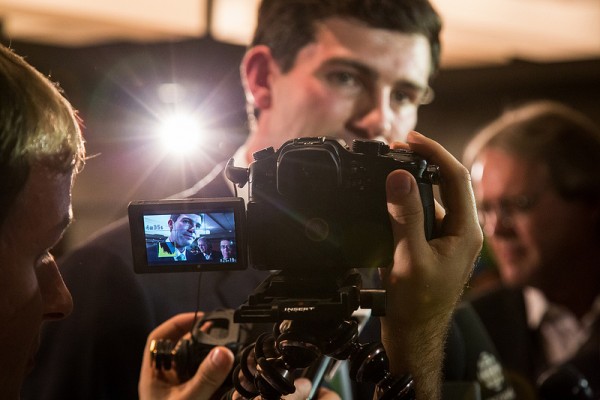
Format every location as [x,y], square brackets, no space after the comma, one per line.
[536,180]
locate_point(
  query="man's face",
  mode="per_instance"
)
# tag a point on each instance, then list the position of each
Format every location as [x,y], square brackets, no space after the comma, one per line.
[533,232]
[31,287]
[203,246]
[226,248]
[352,82]
[185,230]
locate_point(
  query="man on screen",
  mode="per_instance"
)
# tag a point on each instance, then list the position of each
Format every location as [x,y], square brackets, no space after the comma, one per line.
[184,230]
[205,250]
[227,252]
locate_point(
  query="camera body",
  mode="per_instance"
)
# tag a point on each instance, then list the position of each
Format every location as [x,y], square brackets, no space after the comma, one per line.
[314,204]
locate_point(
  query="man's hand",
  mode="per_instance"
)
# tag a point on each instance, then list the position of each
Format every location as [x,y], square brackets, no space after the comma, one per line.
[156,384]
[427,277]
[160,385]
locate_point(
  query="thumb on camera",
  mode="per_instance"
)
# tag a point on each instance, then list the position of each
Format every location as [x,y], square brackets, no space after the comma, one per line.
[212,372]
[404,205]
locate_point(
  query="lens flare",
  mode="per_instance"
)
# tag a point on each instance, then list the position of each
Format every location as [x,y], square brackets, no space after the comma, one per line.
[180,133]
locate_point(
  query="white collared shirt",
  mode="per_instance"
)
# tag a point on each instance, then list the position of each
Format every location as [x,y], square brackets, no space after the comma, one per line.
[179,255]
[562,332]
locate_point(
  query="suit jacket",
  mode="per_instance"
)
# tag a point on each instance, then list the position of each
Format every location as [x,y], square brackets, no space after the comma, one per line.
[154,253]
[96,353]
[213,256]
[504,315]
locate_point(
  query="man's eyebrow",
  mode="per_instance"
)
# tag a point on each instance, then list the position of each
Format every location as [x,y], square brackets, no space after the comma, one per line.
[345,62]
[366,70]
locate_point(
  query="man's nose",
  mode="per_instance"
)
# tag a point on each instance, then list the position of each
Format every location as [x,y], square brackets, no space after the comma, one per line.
[57,300]
[375,116]
[498,224]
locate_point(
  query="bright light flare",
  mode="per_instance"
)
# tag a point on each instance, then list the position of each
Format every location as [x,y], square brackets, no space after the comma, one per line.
[180,133]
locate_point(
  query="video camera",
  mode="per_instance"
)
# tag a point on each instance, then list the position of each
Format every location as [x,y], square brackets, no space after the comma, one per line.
[316,211]
[314,207]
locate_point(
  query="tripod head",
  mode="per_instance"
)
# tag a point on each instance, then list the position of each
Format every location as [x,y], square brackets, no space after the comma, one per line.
[289,295]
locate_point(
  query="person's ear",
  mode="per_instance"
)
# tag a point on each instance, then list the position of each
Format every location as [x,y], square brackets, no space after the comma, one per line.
[257,68]
[170,223]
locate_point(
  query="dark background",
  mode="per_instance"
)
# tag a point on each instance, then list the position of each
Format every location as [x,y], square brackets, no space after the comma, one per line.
[114,87]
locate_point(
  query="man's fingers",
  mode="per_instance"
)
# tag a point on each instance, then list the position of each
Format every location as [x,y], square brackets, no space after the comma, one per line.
[405,208]
[455,184]
[211,374]
[174,328]
[460,233]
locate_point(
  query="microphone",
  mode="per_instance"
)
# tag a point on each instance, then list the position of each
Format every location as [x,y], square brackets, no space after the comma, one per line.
[471,356]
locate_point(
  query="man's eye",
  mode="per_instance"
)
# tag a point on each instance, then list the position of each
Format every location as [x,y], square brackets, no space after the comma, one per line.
[343,78]
[403,97]
[522,203]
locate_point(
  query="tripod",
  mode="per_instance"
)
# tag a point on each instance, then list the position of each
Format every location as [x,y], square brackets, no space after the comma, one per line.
[312,318]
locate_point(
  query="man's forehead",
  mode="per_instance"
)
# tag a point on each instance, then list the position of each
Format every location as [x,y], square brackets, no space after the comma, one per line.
[375,48]
[498,165]
[355,29]
[45,202]
[194,217]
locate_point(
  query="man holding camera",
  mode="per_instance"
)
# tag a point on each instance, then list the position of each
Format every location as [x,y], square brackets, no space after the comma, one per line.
[351,70]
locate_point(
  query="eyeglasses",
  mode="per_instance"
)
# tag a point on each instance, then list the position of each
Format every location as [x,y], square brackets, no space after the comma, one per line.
[413,96]
[506,209]
[427,96]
